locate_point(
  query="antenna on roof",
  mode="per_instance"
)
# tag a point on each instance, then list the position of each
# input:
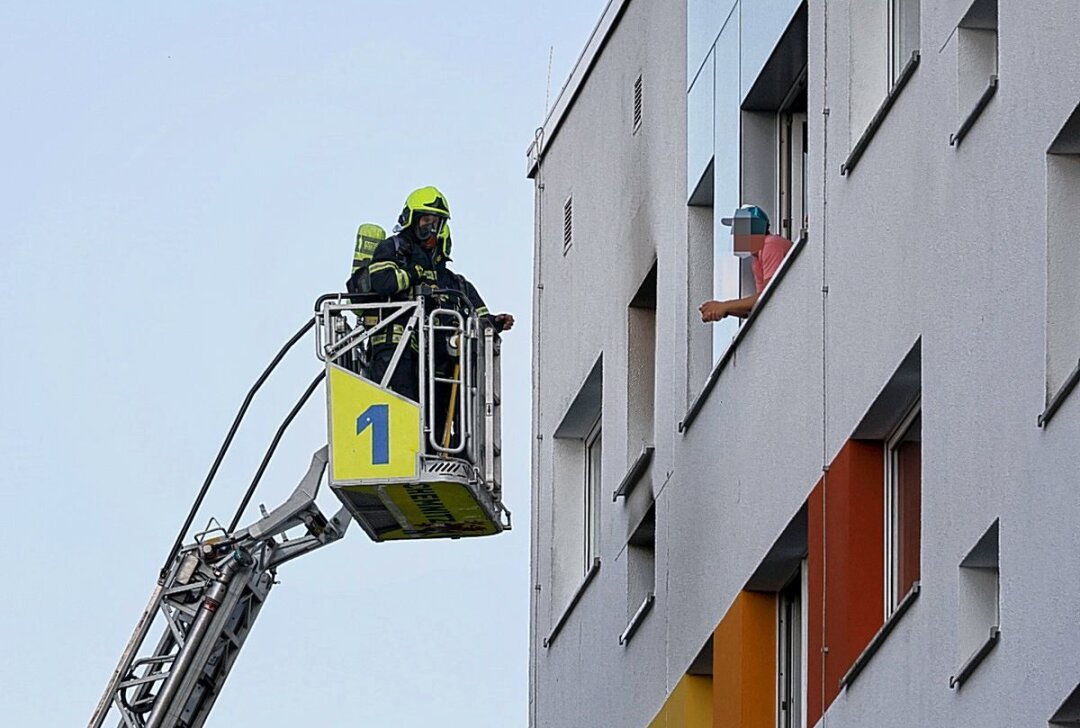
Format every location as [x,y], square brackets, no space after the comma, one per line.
[547,89]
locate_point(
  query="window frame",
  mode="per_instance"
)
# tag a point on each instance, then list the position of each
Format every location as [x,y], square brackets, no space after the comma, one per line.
[898,56]
[593,445]
[791,652]
[893,548]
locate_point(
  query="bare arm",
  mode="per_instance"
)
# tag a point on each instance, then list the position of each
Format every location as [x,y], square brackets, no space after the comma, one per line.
[716,310]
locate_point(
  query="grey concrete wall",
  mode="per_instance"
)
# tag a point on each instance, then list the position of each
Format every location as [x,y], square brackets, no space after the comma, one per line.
[927,240]
[921,241]
[628,191]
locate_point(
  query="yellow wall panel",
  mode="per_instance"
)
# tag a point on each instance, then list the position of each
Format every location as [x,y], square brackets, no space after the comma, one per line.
[688,706]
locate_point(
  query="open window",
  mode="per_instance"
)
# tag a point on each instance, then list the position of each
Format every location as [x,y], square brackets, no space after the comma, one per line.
[775,138]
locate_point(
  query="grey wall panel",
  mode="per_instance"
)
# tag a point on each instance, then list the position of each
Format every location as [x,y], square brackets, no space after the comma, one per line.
[762,23]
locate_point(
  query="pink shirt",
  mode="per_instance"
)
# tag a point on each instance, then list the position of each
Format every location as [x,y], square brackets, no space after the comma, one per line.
[767,261]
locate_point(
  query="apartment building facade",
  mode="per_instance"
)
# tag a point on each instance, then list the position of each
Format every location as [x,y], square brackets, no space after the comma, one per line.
[858,506]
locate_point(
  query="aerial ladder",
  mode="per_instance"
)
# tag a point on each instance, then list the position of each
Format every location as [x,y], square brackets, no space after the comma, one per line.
[402,468]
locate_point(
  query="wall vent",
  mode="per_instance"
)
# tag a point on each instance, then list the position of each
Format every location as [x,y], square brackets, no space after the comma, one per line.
[637,103]
[568,223]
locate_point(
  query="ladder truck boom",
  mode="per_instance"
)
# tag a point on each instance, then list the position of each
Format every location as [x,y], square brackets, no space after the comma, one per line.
[206,606]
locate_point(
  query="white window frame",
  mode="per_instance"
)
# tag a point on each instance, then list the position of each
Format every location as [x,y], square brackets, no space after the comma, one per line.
[791,188]
[892,537]
[592,478]
[791,689]
[898,59]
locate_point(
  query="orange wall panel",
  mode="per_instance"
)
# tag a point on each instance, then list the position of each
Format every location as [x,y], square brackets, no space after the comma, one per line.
[744,663]
[846,542]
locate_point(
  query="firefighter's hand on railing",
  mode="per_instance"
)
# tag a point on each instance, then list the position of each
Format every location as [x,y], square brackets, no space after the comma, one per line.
[504,321]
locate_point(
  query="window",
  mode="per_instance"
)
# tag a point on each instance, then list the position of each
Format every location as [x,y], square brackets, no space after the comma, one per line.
[903,35]
[568,223]
[593,476]
[637,104]
[574,514]
[640,573]
[774,138]
[903,501]
[792,179]
[979,617]
[1063,263]
[883,54]
[641,366]
[976,64]
[790,655]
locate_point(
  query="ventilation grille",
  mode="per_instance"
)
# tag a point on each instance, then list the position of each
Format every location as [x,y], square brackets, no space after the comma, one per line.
[568,223]
[447,467]
[637,103]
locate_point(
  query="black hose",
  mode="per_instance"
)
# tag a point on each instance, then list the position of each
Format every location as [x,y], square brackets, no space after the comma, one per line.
[273,446]
[225,446]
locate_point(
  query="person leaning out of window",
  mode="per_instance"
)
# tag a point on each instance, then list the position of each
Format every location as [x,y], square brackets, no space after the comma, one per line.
[750,231]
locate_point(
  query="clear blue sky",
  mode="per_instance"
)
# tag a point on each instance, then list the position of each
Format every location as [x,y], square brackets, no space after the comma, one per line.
[180,181]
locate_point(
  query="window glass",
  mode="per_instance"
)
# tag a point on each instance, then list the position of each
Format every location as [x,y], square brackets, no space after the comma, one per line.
[726,180]
[704,18]
[905,33]
[905,499]
[699,126]
[593,457]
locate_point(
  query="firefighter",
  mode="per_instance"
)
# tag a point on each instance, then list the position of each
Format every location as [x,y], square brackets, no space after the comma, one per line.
[402,264]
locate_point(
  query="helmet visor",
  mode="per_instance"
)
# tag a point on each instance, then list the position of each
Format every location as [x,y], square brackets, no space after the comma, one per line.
[428,225]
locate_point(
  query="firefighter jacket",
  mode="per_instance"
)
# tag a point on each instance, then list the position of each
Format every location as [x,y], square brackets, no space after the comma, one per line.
[400,265]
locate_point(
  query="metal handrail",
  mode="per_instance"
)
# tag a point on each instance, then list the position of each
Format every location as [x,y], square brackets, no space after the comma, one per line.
[462,379]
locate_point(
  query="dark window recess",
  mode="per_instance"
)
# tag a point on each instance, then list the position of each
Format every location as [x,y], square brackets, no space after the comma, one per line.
[637,103]
[1068,715]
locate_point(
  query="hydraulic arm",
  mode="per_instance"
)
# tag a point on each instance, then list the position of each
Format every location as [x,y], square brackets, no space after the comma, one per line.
[204,610]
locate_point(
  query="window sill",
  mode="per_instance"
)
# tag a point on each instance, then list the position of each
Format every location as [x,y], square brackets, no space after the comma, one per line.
[965,126]
[589,576]
[977,657]
[634,474]
[637,619]
[721,364]
[879,116]
[879,639]
[1057,400]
